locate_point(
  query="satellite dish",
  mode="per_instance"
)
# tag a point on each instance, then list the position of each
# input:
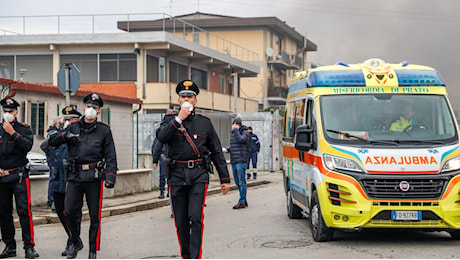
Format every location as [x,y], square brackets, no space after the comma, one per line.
[269,52]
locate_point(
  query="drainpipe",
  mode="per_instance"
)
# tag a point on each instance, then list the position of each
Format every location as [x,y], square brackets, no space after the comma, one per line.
[137,134]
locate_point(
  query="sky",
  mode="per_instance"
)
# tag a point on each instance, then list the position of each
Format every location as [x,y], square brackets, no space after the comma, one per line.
[424,32]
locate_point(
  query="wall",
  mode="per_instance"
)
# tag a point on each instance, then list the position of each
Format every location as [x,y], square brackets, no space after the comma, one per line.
[121,121]
[128,182]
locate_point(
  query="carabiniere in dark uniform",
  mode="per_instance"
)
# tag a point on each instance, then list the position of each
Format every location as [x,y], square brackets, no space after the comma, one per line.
[192,144]
[14,180]
[92,159]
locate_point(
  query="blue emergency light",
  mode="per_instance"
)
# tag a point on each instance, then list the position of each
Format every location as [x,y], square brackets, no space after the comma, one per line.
[336,78]
[419,78]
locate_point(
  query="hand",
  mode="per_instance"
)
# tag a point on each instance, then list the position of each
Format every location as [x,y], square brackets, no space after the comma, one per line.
[184,113]
[225,187]
[235,126]
[71,138]
[109,184]
[8,128]
[155,165]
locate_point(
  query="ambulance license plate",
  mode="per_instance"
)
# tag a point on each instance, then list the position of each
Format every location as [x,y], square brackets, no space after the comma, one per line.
[406,215]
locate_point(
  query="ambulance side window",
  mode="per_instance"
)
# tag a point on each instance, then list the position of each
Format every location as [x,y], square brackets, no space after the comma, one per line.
[296,116]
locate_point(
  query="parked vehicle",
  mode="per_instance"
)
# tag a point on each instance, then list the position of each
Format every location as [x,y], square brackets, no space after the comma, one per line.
[38,164]
[346,164]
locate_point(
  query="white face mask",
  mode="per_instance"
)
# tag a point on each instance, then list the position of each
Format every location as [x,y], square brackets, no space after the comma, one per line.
[8,117]
[90,113]
[187,105]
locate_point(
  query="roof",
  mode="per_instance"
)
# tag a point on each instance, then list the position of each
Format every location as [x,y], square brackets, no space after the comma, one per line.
[105,93]
[212,22]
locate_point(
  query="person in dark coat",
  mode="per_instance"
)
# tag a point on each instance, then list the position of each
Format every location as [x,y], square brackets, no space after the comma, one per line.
[92,162]
[16,140]
[192,145]
[239,158]
[253,154]
[61,162]
[157,150]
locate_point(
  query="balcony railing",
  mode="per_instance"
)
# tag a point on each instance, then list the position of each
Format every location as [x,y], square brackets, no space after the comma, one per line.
[108,23]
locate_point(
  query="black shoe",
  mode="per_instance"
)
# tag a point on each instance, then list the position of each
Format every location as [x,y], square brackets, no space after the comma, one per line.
[92,255]
[73,249]
[248,176]
[64,253]
[254,177]
[8,252]
[246,204]
[162,195]
[31,253]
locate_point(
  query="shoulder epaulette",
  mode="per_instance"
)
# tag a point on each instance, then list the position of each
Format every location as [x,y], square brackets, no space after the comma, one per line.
[207,117]
[24,124]
[102,123]
[174,113]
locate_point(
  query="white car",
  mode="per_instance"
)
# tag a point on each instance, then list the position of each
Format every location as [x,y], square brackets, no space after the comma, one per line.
[38,164]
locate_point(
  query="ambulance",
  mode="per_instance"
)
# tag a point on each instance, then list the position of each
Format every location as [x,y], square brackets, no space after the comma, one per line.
[371,145]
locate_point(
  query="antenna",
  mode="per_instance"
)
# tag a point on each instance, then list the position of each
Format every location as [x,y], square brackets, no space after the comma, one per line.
[170,7]
[198,7]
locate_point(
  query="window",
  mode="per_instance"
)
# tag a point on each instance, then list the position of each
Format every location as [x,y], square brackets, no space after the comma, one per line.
[177,72]
[105,115]
[295,118]
[35,115]
[39,68]
[86,63]
[118,67]
[152,69]
[7,67]
[222,85]
[200,77]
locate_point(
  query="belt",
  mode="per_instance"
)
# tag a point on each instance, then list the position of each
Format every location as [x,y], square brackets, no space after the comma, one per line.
[86,167]
[12,171]
[188,164]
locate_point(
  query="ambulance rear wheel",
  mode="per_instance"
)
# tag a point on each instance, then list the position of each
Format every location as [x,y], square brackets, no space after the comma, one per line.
[455,235]
[293,210]
[319,230]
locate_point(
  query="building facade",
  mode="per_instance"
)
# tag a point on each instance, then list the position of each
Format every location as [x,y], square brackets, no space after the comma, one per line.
[278,49]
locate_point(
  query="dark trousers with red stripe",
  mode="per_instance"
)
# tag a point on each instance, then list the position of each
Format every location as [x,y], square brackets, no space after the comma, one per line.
[73,210]
[21,192]
[59,199]
[188,204]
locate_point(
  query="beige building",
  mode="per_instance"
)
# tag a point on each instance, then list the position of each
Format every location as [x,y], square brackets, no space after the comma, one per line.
[278,49]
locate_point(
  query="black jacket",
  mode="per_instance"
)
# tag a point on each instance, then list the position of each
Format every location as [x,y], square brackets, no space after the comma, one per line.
[94,144]
[240,145]
[203,134]
[14,148]
[157,149]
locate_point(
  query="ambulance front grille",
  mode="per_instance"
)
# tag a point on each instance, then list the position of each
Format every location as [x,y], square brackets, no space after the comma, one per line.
[392,188]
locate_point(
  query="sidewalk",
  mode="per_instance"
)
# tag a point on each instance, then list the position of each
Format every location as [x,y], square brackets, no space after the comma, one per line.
[142,201]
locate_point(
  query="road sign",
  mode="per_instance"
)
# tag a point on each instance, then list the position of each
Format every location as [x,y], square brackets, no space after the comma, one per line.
[68,82]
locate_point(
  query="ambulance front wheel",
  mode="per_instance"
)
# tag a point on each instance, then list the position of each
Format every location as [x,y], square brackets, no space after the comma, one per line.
[293,210]
[455,235]
[319,230]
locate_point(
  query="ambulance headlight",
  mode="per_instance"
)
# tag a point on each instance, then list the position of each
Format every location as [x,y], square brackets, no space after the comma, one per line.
[336,163]
[451,165]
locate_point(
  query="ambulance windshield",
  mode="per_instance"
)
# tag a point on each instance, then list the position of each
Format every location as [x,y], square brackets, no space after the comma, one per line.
[388,119]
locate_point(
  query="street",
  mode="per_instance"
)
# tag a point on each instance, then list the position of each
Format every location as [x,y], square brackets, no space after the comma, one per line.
[262,230]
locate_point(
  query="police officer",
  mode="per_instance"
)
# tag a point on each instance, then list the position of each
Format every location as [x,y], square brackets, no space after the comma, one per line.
[16,140]
[92,159]
[61,161]
[192,142]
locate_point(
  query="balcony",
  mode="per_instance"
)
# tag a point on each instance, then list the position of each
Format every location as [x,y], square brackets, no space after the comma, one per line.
[285,61]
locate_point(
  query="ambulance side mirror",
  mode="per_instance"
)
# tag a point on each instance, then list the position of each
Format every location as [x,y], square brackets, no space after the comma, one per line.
[304,140]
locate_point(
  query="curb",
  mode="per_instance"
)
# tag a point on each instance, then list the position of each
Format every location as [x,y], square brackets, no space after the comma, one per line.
[51,218]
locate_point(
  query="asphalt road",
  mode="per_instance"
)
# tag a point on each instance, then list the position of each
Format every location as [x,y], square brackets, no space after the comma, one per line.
[262,230]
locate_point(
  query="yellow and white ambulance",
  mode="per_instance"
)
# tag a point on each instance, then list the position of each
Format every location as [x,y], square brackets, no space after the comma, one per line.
[371,145]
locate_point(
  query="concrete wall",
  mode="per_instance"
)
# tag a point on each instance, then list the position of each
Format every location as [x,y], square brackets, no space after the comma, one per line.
[128,182]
